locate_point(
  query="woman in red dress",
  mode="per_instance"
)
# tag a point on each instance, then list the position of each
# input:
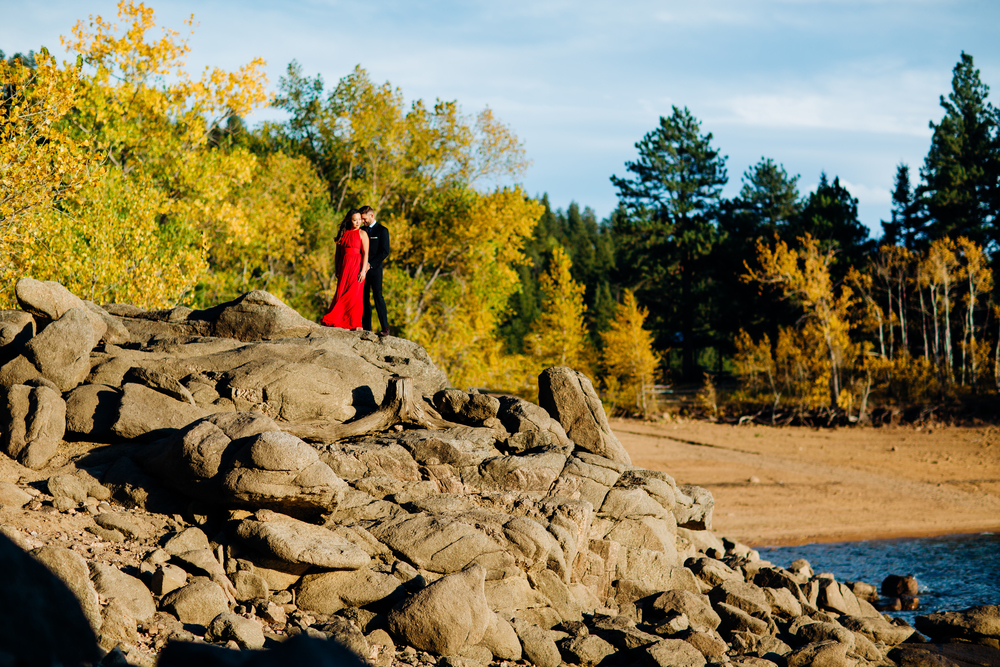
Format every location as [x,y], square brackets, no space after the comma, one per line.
[352,265]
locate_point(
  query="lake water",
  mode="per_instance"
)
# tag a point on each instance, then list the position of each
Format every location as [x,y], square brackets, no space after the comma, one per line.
[954,572]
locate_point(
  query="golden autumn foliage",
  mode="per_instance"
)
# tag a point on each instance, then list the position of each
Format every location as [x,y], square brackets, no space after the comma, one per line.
[40,162]
[559,336]
[170,199]
[628,362]
[270,238]
[139,105]
[803,275]
[448,290]
[105,245]
[855,340]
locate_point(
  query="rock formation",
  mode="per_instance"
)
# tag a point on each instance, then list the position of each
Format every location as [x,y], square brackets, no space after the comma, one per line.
[242,475]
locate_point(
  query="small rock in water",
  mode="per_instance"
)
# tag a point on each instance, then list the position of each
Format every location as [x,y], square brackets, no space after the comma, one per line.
[896,585]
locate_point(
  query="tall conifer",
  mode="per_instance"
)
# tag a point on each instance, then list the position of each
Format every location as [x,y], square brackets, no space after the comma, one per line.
[670,198]
[961,168]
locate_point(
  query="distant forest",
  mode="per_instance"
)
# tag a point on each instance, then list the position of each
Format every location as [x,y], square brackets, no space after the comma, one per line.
[789,292]
[129,180]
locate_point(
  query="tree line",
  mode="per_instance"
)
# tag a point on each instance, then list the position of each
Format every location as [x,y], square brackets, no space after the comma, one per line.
[128,179]
[787,291]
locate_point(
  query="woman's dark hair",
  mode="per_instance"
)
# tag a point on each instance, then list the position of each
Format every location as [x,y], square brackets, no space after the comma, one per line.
[345,224]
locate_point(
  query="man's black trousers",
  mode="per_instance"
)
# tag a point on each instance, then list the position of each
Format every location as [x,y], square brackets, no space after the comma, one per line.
[373,289]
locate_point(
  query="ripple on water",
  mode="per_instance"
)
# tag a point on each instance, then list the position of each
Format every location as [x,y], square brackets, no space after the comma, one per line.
[954,572]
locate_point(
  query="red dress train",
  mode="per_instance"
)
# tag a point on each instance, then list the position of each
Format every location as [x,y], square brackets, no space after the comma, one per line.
[348,303]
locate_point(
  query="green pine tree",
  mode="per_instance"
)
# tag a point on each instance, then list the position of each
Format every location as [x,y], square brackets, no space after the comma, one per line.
[962,167]
[905,227]
[667,229]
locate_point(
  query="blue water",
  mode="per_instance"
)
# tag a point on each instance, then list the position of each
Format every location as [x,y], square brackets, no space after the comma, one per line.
[954,572]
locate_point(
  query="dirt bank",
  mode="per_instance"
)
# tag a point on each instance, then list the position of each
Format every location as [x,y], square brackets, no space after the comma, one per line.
[792,485]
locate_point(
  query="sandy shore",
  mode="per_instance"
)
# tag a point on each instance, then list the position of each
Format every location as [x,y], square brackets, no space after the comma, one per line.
[794,485]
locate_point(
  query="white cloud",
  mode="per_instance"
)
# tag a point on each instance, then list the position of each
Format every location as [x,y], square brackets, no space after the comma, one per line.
[888,100]
[869,194]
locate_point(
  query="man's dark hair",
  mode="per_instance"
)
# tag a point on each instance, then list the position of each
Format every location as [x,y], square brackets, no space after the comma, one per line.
[365,210]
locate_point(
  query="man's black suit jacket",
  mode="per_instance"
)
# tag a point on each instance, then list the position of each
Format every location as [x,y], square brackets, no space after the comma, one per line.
[378,245]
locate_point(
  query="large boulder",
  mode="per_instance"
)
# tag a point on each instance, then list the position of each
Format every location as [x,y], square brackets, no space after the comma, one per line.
[974,623]
[694,507]
[226,627]
[460,447]
[45,298]
[285,358]
[146,412]
[33,424]
[675,653]
[11,495]
[570,398]
[539,647]
[697,608]
[16,329]
[519,416]
[443,544]
[48,301]
[110,582]
[92,409]
[296,541]
[158,381]
[72,570]
[501,639]
[472,409]
[198,603]
[877,629]
[329,592]
[41,622]
[60,353]
[242,459]
[255,316]
[447,616]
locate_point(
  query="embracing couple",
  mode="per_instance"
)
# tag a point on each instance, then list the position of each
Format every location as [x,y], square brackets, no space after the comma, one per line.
[362,246]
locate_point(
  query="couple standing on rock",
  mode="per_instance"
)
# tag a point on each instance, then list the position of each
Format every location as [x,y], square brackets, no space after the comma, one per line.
[362,246]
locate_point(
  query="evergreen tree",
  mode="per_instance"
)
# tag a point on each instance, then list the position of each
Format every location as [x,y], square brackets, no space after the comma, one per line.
[769,195]
[906,225]
[961,169]
[768,201]
[830,216]
[667,229]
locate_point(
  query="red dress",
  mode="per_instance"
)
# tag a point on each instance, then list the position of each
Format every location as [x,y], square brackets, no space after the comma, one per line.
[348,303]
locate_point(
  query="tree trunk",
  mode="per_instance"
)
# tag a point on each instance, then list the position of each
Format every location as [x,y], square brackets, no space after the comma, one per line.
[948,352]
[923,322]
[399,407]
[687,324]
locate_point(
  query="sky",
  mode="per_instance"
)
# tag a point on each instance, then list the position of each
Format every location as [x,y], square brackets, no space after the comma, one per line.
[845,87]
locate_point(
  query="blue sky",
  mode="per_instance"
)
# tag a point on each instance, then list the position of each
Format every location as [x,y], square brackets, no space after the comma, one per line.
[842,86]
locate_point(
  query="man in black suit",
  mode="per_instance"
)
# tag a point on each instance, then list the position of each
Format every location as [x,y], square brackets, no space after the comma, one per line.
[378,250]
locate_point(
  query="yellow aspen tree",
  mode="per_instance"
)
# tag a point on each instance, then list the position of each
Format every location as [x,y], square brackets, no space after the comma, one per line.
[755,365]
[274,202]
[134,105]
[139,105]
[559,335]
[804,277]
[938,273]
[40,162]
[628,361]
[105,245]
[448,294]
[979,280]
